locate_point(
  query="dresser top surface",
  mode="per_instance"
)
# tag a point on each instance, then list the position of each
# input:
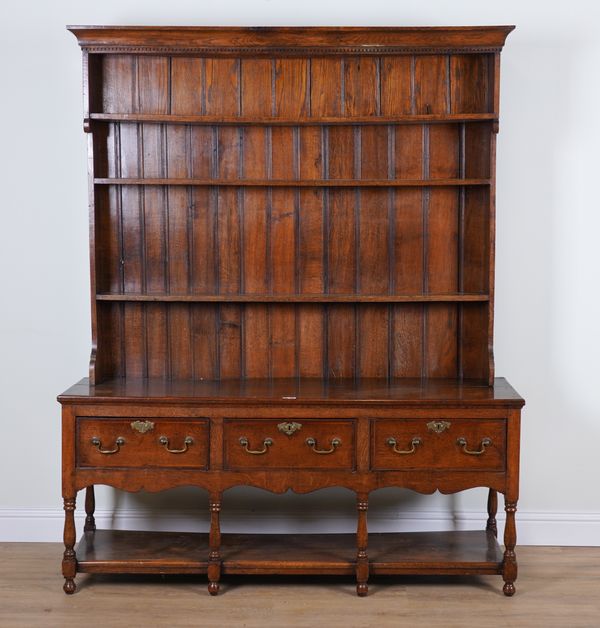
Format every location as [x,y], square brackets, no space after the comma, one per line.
[298,391]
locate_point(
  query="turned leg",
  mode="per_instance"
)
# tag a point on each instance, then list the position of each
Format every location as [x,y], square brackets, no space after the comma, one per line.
[69,563]
[492,508]
[509,571]
[362,560]
[214,543]
[90,507]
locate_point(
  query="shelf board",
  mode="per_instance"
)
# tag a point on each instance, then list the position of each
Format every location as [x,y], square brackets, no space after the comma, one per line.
[389,553]
[304,183]
[293,298]
[124,551]
[442,553]
[272,121]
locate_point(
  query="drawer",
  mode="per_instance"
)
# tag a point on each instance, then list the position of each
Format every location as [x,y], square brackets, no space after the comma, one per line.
[459,444]
[288,444]
[154,442]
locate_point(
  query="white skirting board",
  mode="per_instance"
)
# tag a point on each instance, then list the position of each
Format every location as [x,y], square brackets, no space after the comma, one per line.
[533,528]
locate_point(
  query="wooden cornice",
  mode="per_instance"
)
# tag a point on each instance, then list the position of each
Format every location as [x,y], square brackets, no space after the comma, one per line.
[290,41]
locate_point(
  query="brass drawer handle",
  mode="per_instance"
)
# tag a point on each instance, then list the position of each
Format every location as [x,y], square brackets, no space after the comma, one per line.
[312,443]
[462,442]
[266,444]
[164,441]
[98,445]
[414,443]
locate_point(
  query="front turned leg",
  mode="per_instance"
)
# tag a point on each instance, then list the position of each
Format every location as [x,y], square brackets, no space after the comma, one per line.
[492,508]
[90,507]
[509,566]
[362,559]
[214,543]
[69,563]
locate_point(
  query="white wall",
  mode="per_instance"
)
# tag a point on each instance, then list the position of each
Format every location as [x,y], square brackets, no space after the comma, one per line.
[548,263]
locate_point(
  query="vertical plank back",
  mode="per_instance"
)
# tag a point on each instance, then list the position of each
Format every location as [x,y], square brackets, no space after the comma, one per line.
[285,243]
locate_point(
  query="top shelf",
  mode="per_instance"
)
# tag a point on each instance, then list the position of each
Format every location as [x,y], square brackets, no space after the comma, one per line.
[277,121]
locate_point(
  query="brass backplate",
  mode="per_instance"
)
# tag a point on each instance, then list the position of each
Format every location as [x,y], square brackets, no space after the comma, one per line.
[289,427]
[438,426]
[142,426]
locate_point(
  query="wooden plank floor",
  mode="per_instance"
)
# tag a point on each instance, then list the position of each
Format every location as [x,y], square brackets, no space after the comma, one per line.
[557,587]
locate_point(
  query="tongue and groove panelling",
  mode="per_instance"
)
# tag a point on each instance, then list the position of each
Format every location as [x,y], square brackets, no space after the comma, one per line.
[221,240]
[221,341]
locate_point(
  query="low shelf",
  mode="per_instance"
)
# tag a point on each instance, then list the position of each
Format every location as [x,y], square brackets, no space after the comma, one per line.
[120,551]
[123,551]
[461,552]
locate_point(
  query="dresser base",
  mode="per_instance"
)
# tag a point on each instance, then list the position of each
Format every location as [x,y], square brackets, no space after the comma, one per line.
[301,436]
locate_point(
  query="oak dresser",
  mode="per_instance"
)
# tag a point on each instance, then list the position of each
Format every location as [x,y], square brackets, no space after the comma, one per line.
[292,288]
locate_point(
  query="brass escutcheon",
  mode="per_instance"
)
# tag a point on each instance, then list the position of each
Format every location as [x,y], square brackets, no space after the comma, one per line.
[142,426]
[289,427]
[438,426]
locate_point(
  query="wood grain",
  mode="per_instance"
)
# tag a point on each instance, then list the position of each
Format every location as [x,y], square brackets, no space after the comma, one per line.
[401,391]
[284,41]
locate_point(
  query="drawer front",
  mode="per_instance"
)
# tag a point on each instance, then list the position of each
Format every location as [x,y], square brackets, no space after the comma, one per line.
[155,442]
[283,444]
[458,444]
